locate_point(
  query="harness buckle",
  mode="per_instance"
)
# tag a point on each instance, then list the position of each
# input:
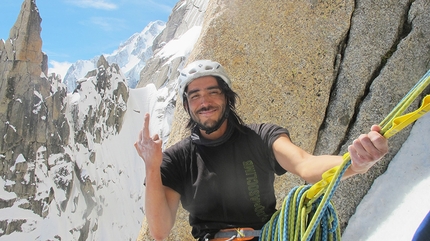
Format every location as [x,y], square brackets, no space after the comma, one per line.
[236,234]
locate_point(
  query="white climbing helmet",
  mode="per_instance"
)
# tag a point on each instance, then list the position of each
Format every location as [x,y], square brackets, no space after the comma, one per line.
[198,69]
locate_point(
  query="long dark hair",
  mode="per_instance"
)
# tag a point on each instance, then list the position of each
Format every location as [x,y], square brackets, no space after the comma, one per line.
[231,97]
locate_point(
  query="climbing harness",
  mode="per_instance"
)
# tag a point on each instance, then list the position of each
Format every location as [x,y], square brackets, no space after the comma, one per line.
[236,234]
[307,212]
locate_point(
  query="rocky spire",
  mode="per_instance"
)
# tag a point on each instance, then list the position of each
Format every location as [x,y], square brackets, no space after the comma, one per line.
[25,88]
[42,130]
[31,111]
[25,43]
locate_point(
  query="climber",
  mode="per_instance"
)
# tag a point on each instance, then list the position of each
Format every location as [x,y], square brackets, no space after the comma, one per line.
[223,173]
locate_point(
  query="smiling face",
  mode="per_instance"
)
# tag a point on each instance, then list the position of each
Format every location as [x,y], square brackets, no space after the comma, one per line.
[206,101]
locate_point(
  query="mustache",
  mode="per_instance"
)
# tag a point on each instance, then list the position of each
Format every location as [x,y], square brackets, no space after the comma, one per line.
[206,108]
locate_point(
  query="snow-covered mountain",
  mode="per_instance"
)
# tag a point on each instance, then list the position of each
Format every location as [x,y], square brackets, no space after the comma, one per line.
[130,56]
[86,181]
[100,167]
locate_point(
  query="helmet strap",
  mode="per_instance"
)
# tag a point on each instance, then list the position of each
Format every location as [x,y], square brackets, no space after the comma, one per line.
[204,128]
[217,126]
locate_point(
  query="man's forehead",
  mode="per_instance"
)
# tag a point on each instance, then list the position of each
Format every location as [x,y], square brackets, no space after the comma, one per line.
[203,83]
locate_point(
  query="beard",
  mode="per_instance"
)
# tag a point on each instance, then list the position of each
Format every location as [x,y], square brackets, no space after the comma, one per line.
[208,123]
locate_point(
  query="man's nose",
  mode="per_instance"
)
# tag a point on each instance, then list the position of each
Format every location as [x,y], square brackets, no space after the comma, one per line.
[205,99]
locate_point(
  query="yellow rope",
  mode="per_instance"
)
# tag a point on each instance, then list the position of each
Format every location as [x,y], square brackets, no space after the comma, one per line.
[307,212]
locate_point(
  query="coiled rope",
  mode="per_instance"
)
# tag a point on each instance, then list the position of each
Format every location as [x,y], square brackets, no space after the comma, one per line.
[307,212]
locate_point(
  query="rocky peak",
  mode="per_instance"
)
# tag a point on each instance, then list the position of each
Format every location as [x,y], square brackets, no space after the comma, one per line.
[102,116]
[131,56]
[24,42]
[26,91]
[43,127]
[185,15]
[163,70]
[32,109]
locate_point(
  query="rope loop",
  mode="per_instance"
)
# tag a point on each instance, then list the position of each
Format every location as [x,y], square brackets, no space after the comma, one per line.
[307,212]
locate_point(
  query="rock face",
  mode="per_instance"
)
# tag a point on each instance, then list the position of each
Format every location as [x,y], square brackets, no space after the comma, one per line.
[326,70]
[162,69]
[386,54]
[104,117]
[31,107]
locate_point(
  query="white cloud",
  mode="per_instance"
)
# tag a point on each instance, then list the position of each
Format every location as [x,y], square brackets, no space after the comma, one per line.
[162,5]
[108,24]
[59,68]
[99,4]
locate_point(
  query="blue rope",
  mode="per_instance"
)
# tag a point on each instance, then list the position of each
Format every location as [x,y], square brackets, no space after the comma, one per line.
[286,223]
[300,223]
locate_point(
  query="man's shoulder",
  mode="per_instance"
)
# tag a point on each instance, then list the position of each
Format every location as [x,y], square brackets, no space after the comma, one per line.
[181,145]
[258,127]
[267,129]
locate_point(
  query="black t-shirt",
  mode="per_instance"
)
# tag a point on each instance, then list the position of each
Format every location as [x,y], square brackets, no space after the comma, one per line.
[226,185]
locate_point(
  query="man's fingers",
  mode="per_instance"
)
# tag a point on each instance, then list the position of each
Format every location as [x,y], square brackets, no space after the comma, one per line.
[140,136]
[379,141]
[155,137]
[361,147]
[145,130]
[376,128]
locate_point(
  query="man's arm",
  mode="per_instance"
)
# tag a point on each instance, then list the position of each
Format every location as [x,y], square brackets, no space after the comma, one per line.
[365,152]
[161,202]
[161,205]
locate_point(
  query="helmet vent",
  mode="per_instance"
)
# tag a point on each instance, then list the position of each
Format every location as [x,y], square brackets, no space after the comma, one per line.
[201,68]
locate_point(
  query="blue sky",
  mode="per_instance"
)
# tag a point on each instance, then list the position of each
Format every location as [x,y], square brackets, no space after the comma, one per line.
[81,29]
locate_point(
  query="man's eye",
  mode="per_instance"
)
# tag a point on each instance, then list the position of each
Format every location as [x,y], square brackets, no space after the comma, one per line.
[194,96]
[215,92]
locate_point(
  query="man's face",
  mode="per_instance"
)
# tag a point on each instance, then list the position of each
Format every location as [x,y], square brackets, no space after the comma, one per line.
[206,101]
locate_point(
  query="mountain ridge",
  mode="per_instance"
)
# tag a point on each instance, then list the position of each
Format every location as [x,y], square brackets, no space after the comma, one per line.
[131,57]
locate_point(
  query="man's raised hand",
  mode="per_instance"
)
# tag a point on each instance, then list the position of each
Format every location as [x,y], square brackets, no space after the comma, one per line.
[149,148]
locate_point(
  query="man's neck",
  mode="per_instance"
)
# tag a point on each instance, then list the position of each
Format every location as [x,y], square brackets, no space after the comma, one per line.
[216,134]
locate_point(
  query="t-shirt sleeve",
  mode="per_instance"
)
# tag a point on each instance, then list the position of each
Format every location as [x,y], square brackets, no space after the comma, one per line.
[269,134]
[173,164]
